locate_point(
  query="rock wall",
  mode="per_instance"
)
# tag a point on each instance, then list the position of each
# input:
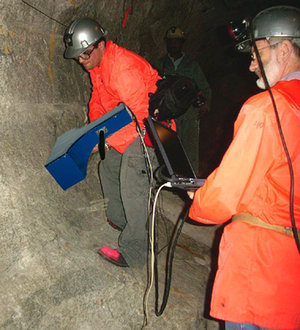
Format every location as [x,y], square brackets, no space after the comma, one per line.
[50,274]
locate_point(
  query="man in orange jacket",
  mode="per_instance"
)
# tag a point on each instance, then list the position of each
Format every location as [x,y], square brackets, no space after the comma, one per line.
[118,75]
[257,285]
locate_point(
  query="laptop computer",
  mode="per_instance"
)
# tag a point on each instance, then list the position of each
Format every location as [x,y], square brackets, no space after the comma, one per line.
[180,172]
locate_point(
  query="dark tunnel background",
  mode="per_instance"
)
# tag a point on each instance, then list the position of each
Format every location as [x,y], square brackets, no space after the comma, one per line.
[232,85]
[228,74]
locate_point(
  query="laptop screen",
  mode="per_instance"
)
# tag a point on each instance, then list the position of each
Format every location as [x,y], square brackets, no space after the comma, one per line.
[171,149]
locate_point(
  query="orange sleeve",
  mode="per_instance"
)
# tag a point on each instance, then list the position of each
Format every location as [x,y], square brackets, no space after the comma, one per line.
[96,109]
[231,186]
[133,91]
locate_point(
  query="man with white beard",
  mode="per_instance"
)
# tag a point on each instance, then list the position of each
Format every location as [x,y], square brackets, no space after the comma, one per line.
[272,67]
[257,187]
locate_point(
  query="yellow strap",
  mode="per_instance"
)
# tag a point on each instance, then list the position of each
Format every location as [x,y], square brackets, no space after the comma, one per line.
[246,217]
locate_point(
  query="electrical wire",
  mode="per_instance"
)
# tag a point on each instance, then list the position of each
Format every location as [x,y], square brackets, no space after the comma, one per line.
[148,164]
[38,10]
[152,255]
[169,265]
[145,150]
[152,264]
[267,85]
[149,169]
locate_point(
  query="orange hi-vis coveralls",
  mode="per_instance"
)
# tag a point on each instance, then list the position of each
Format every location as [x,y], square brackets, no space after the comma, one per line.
[124,76]
[112,84]
[258,276]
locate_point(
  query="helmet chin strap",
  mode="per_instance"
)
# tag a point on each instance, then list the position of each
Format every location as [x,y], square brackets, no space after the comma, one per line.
[261,67]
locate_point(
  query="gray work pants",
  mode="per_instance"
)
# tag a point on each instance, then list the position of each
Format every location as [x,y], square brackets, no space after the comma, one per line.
[125,183]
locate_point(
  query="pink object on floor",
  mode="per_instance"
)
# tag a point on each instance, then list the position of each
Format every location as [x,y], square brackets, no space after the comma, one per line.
[113,256]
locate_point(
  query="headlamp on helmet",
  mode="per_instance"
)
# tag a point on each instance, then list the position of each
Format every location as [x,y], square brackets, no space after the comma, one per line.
[273,22]
[240,32]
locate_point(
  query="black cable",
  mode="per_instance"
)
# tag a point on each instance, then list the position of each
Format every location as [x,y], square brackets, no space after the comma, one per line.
[169,264]
[140,132]
[101,145]
[53,19]
[261,67]
[99,178]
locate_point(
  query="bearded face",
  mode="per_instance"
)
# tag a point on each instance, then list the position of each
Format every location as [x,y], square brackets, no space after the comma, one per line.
[268,55]
[272,71]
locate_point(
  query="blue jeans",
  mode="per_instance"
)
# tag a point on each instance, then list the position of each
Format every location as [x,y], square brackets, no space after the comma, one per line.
[243,326]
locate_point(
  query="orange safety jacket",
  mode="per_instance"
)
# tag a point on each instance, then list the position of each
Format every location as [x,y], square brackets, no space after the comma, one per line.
[123,76]
[258,276]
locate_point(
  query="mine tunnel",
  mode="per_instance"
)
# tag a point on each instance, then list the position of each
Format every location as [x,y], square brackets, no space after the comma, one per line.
[51,274]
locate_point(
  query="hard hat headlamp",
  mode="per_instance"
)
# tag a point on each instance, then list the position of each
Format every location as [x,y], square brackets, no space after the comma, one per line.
[273,22]
[68,39]
[240,33]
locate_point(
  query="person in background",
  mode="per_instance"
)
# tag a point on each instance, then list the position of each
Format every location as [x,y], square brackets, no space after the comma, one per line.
[118,75]
[257,282]
[178,63]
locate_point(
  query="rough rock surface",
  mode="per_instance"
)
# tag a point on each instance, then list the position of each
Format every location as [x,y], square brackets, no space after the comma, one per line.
[50,274]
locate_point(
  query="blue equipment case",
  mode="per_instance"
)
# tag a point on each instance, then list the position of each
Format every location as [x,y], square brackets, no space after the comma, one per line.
[68,160]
